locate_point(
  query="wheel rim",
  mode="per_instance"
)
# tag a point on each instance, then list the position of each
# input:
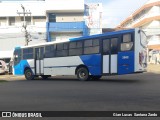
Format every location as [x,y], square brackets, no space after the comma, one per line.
[28,74]
[82,74]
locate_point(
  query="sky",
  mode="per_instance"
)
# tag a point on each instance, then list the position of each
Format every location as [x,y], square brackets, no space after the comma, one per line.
[115,11]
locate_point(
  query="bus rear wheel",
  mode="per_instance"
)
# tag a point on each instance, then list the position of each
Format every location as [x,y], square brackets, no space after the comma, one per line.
[83,74]
[28,74]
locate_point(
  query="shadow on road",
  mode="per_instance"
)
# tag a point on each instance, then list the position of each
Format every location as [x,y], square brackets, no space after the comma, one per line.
[62,79]
[132,78]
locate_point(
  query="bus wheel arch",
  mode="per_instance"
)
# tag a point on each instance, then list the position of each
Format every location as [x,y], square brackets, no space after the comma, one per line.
[28,73]
[82,73]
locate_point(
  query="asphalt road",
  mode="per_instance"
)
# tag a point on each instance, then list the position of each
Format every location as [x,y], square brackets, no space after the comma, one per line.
[138,92]
[118,93]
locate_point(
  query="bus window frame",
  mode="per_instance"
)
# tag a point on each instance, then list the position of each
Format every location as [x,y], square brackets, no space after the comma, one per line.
[132,41]
[89,46]
[22,50]
[76,48]
[63,50]
[53,52]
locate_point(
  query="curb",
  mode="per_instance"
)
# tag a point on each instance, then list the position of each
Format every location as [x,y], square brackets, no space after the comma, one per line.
[152,71]
[153,68]
[11,77]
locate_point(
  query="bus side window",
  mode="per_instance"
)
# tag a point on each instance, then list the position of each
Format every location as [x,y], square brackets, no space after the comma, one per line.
[91,46]
[50,51]
[28,53]
[62,50]
[65,46]
[127,42]
[127,38]
[75,48]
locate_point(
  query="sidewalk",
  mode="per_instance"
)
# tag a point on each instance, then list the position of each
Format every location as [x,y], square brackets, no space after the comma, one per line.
[153,68]
[11,77]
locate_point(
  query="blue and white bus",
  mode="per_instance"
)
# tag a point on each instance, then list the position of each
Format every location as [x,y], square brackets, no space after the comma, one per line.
[89,57]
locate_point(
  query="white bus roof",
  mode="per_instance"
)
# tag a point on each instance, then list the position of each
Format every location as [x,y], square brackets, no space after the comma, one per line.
[43,44]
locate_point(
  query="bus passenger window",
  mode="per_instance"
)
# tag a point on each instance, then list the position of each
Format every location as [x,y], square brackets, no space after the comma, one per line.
[75,52]
[96,42]
[87,43]
[72,45]
[126,46]
[91,46]
[65,46]
[127,43]
[79,44]
[127,38]
[61,53]
[60,46]
[28,53]
[75,48]
[49,51]
[62,50]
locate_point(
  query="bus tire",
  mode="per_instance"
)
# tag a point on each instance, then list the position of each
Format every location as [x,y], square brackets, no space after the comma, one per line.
[29,74]
[83,74]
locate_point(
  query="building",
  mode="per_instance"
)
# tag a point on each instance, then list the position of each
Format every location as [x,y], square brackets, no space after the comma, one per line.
[93,18]
[54,20]
[46,21]
[11,31]
[65,19]
[147,18]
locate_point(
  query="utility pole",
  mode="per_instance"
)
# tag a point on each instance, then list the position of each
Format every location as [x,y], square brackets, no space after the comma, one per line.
[25,12]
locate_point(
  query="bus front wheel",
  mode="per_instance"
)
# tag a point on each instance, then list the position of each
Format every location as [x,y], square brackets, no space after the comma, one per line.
[83,74]
[28,74]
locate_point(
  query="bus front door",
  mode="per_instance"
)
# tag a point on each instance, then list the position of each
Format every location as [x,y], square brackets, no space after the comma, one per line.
[39,52]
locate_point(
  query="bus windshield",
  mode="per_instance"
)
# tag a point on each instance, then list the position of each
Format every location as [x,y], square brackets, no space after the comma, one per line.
[143,39]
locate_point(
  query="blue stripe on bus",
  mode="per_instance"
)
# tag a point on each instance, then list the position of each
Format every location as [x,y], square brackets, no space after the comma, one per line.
[93,62]
[102,35]
[19,68]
